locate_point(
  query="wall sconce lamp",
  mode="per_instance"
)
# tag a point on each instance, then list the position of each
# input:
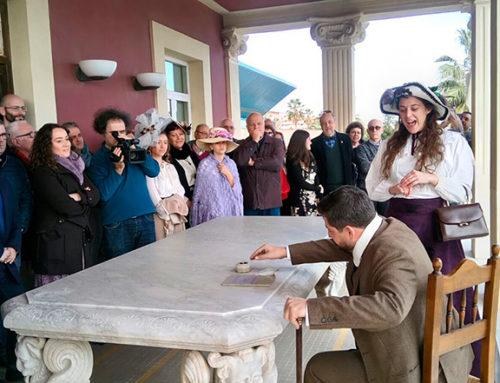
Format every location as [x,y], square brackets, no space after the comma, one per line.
[150,80]
[90,70]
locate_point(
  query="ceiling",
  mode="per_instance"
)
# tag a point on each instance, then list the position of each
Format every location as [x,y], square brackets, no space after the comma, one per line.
[250,16]
[244,5]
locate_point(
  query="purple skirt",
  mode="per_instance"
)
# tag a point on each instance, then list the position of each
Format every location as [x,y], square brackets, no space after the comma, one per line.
[420,216]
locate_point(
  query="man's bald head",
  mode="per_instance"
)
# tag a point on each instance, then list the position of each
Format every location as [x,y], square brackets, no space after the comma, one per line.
[227,124]
[12,108]
[375,129]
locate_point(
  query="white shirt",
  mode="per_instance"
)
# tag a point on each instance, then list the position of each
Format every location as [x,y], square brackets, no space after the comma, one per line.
[364,240]
[165,184]
[455,172]
[359,247]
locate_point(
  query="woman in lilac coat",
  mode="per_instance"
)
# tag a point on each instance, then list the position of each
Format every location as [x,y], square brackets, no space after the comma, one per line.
[217,192]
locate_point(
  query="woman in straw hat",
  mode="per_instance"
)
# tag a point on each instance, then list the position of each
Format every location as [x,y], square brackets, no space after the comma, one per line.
[420,167]
[217,192]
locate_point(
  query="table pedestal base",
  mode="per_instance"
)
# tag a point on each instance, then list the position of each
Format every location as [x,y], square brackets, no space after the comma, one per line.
[242,366]
[61,361]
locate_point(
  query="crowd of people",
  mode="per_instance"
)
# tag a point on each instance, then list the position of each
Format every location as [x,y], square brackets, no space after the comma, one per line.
[65,209]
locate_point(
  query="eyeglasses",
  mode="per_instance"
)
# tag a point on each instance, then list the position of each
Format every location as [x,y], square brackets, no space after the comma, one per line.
[29,134]
[373,128]
[3,135]
[17,108]
[120,132]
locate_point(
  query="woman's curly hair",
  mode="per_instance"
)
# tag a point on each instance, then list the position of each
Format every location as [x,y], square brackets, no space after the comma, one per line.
[429,144]
[41,154]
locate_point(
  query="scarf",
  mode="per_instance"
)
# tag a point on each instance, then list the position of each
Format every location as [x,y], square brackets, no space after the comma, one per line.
[180,154]
[330,141]
[74,163]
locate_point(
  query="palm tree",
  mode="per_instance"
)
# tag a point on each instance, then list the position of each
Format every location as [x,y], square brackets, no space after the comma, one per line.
[455,75]
[295,111]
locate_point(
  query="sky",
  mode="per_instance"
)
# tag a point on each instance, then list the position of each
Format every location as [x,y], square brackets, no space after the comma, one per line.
[394,51]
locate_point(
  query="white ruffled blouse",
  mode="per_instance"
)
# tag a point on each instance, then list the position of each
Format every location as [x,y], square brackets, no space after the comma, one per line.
[455,172]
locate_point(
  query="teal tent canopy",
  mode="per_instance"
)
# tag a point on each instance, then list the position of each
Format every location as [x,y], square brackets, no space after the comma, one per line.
[260,91]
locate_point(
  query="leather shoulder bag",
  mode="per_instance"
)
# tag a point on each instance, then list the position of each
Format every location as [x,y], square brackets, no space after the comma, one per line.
[461,221]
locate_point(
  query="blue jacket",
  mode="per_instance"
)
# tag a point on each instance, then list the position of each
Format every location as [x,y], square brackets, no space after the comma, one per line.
[122,196]
[11,237]
[12,169]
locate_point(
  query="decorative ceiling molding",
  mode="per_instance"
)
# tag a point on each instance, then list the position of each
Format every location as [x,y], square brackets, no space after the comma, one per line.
[234,43]
[214,6]
[338,32]
[296,15]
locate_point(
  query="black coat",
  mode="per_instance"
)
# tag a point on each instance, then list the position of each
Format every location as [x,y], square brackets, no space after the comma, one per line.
[298,183]
[11,235]
[62,225]
[318,149]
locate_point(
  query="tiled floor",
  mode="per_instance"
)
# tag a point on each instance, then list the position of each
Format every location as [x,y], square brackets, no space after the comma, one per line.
[133,364]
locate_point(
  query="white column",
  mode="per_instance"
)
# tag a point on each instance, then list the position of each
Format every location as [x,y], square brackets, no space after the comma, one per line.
[234,45]
[31,53]
[495,123]
[481,113]
[337,37]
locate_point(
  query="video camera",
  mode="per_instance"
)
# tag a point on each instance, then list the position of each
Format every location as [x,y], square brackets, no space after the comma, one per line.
[131,155]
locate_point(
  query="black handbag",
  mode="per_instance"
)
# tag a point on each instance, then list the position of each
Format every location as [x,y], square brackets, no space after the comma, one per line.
[462,222]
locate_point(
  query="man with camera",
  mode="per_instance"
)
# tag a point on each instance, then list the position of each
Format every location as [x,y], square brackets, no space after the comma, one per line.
[119,169]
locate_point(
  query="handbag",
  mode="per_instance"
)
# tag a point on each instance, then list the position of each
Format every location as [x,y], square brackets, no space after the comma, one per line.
[461,222]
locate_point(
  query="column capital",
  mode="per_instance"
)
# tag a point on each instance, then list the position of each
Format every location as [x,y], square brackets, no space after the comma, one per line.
[234,43]
[338,31]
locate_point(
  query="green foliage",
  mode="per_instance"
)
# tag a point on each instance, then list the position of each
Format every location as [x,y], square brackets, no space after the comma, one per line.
[295,111]
[390,125]
[455,76]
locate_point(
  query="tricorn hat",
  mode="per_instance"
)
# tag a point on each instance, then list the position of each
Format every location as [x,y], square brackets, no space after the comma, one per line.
[389,102]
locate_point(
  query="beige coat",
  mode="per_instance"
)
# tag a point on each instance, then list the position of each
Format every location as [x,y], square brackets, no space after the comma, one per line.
[386,306]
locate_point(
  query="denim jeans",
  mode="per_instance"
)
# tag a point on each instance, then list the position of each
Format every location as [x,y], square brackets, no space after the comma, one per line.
[275,211]
[122,237]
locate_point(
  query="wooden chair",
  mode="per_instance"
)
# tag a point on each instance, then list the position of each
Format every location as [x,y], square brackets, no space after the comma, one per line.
[466,274]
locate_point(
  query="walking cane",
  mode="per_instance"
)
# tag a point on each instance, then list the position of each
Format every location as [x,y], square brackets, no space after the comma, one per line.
[298,351]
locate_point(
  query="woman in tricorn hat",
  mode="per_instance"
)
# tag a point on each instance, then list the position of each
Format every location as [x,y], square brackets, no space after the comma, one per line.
[420,167]
[217,192]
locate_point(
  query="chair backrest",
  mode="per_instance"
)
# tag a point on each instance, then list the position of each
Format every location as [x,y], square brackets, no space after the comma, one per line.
[466,274]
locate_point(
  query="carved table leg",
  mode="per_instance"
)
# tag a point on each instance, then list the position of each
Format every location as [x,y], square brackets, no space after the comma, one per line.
[194,368]
[61,361]
[250,365]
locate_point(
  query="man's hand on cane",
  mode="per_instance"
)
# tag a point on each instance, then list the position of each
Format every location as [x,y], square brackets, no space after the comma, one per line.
[295,308]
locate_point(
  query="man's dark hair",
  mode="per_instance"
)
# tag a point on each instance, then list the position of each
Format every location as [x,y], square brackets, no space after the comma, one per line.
[103,116]
[70,124]
[345,206]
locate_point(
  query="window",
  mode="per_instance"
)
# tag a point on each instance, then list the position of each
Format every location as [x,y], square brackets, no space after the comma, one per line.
[179,102]
[5,66]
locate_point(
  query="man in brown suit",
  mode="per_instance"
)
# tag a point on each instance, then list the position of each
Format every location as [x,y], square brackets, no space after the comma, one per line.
[387,280]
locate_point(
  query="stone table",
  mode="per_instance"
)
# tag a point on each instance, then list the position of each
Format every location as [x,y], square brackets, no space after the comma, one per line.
[169,294]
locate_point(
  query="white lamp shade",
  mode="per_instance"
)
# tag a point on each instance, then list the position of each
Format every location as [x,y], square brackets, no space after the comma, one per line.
[97,68]
[150,79]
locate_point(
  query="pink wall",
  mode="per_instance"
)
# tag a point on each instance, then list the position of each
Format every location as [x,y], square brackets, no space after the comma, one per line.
[119,30]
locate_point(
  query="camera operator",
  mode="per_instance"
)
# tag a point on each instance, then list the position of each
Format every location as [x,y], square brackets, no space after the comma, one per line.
[127,210]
